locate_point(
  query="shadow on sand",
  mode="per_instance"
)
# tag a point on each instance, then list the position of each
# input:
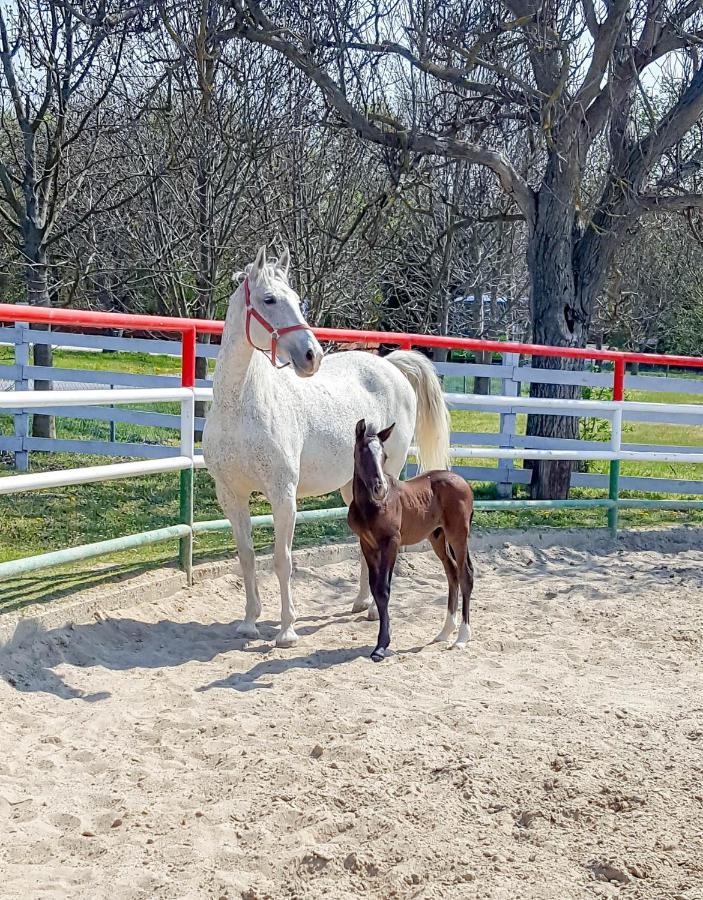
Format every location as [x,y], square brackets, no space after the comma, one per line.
[28,661]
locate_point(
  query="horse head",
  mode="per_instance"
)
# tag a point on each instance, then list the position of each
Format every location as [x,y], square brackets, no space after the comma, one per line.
[274,321]
[369,460]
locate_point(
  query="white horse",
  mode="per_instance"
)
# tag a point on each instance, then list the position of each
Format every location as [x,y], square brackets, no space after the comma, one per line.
[286,436]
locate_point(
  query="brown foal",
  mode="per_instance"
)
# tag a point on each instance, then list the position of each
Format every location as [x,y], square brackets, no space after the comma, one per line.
[387,514]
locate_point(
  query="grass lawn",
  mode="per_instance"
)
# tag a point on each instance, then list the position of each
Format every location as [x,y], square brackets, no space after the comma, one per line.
[48,520]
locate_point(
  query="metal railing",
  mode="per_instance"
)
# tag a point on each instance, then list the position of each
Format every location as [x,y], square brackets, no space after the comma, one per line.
[187,460]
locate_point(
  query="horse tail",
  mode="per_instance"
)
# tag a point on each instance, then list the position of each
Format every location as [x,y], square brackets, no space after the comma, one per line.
[432,422]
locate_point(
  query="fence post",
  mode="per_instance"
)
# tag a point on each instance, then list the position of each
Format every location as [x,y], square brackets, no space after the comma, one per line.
[615,444]
[21,384]
[508,420]
[187,449]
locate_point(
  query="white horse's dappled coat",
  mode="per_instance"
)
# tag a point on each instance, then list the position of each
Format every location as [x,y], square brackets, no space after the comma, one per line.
[285,435]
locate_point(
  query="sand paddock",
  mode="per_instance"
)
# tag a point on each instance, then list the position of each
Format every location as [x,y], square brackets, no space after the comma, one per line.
[149,753]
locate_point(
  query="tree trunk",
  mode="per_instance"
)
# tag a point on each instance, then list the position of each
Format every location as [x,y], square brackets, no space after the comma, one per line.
[37,276]
[559,318]
[200,405]
[482,384]
[441,354]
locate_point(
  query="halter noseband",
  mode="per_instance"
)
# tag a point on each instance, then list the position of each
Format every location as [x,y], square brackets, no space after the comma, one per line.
[276,333]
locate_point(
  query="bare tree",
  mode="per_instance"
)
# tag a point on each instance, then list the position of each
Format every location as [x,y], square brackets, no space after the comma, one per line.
[571,78]
[57,72]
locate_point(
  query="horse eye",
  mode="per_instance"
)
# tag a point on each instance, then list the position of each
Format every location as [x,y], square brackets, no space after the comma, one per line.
[269,300]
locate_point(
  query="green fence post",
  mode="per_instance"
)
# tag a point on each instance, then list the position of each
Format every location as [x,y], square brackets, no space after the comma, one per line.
[613,494]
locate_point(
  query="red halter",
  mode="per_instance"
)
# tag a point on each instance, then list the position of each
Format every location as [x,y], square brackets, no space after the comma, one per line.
[276,333]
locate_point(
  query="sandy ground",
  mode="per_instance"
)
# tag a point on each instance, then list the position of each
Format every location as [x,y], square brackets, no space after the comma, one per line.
[153,755]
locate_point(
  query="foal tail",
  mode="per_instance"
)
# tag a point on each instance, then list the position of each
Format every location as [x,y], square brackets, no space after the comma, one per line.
[432,422]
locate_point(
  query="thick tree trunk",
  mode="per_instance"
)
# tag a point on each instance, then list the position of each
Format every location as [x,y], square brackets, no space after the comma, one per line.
[559,318]
[37,277]
[568,266]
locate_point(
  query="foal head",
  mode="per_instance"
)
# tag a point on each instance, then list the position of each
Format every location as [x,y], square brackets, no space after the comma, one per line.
[369,459]
[275,323]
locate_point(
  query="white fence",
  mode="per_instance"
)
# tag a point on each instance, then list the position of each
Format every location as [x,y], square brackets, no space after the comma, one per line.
[506,445]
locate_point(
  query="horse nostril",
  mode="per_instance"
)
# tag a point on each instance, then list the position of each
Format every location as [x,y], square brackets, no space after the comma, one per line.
[309,356]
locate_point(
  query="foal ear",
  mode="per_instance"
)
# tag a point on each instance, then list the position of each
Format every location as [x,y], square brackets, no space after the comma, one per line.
[260,262]
[360,429]
[283,262]
[386,433]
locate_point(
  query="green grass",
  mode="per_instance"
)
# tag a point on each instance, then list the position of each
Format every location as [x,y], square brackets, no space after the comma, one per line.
[136,363]
[41,521]
[37,522]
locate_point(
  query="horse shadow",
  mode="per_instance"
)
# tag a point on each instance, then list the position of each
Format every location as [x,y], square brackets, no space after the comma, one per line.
[251,680]
[30,659]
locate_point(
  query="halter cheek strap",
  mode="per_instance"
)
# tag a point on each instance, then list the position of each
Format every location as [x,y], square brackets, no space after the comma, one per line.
[276,333]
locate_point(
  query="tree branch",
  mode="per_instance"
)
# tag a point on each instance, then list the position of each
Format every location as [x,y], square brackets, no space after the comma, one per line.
[263,31]
[669,203]
[668,131]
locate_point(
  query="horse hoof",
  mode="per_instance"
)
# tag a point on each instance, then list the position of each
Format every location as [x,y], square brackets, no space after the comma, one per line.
[287,638]
[458,645]
[378,655]
[247,630]
[360,605]
[442,637]
[372,614]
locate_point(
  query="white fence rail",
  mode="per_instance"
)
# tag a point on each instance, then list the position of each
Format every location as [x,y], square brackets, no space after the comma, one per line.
[96,395]
[187,457]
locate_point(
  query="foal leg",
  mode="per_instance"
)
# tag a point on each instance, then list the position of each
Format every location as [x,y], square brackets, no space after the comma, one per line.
[439,545]
[363,602]
[284,509]
[466,580]
[237,511]
[381,564]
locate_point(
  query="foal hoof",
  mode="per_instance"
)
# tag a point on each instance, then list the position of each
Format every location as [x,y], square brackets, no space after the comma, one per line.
[247,630]
[287,638]
[378,655]
[372,614]
[463,638]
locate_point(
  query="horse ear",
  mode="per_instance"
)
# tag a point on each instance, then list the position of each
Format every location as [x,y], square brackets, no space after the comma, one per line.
[386,433]
[283,261]
[360,429]
[259,262]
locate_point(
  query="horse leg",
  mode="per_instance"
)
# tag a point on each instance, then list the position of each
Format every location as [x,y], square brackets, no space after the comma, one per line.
[381,565]
[283,509]
[237,511]
[439,545]
[363,601]
[466,579]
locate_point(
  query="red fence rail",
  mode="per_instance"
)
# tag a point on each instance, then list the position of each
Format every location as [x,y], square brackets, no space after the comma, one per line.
[190,328]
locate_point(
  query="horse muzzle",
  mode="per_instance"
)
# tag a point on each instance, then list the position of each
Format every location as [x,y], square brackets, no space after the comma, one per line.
[379,492]
[304,352]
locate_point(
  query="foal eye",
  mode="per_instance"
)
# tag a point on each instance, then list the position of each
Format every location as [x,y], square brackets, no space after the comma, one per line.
[269,300]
